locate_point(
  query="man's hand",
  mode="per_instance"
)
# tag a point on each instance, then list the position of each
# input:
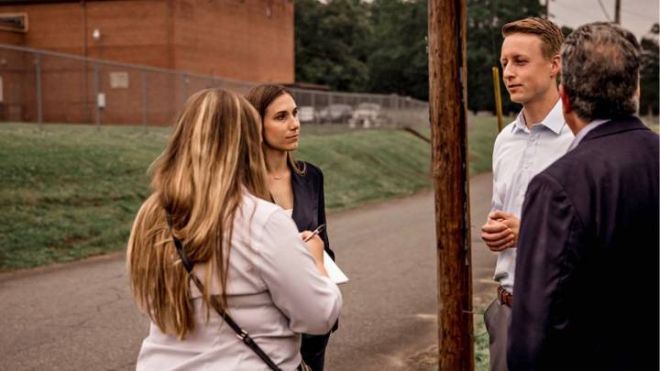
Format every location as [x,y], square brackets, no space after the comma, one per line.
[500,231]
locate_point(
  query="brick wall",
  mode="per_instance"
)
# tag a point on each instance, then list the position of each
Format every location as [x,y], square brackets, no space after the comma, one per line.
[250,40]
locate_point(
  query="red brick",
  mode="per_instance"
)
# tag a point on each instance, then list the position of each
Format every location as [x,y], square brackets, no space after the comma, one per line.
[248,40]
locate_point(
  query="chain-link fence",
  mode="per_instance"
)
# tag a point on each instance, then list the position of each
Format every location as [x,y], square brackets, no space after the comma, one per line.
[49,87]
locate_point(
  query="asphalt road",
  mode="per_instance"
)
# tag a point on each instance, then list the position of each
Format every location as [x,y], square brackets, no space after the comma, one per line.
[80,316]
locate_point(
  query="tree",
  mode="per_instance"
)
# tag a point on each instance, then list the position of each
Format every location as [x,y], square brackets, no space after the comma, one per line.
[398,62]
[649,79]
[331,43]
[380,46]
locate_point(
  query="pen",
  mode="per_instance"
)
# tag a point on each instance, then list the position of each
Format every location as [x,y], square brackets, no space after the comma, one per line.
[318,230]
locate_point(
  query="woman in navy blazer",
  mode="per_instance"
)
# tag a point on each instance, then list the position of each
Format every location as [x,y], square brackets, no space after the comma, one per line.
[296,186]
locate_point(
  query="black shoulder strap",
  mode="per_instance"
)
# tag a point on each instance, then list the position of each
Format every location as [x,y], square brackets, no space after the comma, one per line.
[242,334]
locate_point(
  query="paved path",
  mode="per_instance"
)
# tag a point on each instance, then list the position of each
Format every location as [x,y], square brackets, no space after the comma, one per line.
[81,316]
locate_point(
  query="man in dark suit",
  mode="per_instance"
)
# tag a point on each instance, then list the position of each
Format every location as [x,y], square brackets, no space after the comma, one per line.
[586,284]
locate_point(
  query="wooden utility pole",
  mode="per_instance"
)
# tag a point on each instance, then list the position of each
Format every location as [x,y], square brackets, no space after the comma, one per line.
[547,9]
[447,101]
[617,12]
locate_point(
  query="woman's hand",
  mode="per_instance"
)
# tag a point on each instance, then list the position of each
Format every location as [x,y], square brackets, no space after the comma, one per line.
[315,246]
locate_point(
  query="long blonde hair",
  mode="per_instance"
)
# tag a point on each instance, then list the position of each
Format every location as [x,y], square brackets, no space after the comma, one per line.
[213,156]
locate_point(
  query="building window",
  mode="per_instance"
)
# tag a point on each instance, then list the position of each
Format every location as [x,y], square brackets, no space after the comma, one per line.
[17,22]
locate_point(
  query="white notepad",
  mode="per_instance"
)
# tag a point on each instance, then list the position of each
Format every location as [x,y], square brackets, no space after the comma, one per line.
[334,273]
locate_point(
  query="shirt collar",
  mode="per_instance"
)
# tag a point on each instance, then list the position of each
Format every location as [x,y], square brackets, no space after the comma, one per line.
[553,121]
[583,133]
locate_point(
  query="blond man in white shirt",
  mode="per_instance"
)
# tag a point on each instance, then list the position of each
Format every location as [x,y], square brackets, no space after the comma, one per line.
[539,136]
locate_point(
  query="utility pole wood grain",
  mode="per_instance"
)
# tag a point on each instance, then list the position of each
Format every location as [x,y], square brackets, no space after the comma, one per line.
[447,98]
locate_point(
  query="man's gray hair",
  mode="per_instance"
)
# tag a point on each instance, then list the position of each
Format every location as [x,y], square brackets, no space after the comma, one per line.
[600,71]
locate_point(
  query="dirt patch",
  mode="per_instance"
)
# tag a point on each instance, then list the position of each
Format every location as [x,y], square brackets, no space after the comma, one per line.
[426,359]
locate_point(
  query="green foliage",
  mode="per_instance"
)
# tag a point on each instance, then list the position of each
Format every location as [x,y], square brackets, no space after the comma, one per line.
[353,45]
[398,62]
[331,43]
[380,46]
[649,79]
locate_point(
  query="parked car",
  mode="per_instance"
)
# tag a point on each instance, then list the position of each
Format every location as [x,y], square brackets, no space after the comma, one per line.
[307,114]
[368,114]
[336,113]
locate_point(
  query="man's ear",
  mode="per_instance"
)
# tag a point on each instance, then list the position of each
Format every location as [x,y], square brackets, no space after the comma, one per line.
[565,102]
[555,65]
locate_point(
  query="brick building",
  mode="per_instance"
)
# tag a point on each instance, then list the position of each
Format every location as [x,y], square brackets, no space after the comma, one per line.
[246,40]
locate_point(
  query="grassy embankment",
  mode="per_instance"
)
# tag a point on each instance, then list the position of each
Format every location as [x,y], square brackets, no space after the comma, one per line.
[71,191]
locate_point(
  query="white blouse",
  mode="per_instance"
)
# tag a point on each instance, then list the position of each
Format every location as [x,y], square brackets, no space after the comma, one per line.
[275,293]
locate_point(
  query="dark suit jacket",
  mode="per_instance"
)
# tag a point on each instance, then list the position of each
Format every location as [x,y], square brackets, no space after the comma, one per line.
[309,201]
[586,284]
[309,205]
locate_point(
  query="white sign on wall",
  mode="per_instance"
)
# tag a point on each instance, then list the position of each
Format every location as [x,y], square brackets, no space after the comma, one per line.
[119,80]
[100,100]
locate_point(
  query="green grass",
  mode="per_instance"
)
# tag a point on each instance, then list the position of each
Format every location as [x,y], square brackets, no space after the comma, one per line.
[482,131]
[481,342]
[368,165]
[71,191]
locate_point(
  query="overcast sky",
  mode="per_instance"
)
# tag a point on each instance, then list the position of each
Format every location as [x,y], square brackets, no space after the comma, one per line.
[636,15]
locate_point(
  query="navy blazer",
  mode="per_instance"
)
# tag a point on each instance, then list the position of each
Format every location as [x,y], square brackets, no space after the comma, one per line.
[309,201]
[586,292]
[309,208]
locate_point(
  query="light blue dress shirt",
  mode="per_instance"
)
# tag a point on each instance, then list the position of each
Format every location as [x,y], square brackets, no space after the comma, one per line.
[583,133]
[519,154]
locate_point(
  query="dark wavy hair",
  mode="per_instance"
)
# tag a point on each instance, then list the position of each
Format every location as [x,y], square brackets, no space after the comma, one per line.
[600,71]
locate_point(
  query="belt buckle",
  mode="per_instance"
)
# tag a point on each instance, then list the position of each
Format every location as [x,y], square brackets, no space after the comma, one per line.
[504,296]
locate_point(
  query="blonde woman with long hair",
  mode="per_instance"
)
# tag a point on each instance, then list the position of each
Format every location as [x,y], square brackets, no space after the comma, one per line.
[245,253]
